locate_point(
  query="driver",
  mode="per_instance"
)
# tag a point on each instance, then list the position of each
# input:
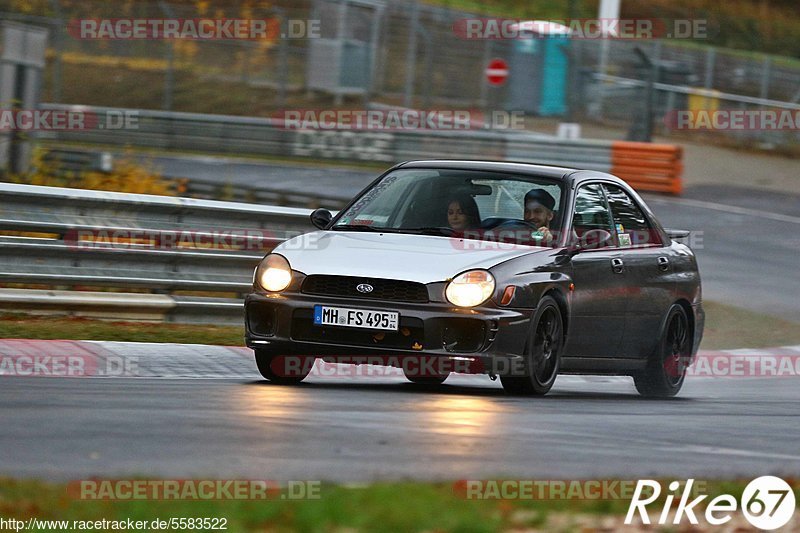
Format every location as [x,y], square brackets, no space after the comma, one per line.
[539,205]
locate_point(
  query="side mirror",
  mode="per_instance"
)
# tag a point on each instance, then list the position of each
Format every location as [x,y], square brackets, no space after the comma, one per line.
[321,218]
[572,249]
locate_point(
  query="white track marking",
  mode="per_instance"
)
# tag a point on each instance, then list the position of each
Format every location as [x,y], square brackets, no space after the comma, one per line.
[725,208]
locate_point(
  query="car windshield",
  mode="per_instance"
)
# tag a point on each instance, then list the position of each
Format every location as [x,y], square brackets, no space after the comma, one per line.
[465,203]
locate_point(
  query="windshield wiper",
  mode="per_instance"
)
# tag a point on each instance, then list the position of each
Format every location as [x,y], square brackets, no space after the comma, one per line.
[359,227]
[428,230]
[431,230]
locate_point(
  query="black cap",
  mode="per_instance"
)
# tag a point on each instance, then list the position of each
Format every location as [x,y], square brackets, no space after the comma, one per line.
[541,196]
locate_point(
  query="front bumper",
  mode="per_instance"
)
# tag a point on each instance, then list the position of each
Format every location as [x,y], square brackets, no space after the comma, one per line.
[282,324]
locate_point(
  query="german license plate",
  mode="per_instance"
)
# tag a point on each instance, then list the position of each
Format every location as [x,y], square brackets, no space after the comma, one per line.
[325,315]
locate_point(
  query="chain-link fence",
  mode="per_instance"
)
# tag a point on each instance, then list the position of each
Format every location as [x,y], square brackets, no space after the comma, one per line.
[395,52]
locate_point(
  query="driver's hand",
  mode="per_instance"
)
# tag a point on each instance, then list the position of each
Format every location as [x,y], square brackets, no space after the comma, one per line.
[544,231]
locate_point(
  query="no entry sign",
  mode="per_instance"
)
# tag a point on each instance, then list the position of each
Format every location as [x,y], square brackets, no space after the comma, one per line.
[497,72]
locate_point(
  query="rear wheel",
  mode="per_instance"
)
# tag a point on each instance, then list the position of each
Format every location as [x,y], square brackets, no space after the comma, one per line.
[666,370]
[542,353]
[283,369]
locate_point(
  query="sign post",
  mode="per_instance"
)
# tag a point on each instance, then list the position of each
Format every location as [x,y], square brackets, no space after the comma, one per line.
[21,66]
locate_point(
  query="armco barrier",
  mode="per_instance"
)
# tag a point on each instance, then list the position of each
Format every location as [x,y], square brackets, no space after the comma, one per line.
[585,154]
[164,246]
[648,167]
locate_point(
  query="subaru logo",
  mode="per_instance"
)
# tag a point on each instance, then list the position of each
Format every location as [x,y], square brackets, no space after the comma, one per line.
[364,288]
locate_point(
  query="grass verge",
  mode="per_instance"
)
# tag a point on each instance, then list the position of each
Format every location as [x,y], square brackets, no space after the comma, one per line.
[380,507]
[27,327]
[727,327]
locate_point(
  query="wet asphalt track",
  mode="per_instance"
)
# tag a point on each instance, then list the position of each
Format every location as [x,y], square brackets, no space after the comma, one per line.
[357,429]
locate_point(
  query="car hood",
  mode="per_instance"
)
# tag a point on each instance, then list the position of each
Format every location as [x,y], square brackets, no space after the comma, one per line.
[420,258]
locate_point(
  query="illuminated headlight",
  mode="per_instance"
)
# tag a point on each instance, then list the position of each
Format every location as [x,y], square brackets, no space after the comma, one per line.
[273,273]
[470,288]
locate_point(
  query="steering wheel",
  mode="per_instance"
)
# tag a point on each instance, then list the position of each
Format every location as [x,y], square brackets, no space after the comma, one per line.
[523,225]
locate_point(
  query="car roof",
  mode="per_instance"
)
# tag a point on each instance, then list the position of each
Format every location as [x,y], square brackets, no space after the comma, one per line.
[567,174]
[491,166]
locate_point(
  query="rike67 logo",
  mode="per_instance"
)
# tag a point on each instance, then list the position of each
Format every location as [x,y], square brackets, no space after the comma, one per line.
[767,502]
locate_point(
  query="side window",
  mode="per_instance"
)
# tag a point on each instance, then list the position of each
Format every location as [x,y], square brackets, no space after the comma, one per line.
[630,224]
[591,223]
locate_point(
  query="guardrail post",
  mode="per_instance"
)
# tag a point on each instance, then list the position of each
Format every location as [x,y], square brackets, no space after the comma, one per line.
[711,55]
[283,60]
[765,74]
[169,78]
[411,55]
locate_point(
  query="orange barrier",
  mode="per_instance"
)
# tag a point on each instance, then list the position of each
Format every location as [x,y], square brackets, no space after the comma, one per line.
[648,167]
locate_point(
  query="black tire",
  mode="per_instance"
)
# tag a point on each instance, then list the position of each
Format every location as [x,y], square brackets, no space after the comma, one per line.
[666,369]
[277,369]
[426,380]
[542,352]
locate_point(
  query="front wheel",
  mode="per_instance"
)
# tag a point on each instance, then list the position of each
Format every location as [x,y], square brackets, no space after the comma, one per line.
[542,353]
[666,370]
[283,369]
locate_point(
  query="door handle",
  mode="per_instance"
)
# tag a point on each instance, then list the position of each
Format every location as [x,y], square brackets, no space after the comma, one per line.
[663,264]
[617,266]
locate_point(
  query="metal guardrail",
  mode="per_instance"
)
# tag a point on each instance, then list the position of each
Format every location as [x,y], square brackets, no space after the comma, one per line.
[66,162]
[70,208]
[222,134]
[190,260]
[610,98]
[699,91]
[264,136]
[587,154]
[74,162]
[238,193]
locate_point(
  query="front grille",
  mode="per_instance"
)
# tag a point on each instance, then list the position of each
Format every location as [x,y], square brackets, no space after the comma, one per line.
[411,333]
[382,289]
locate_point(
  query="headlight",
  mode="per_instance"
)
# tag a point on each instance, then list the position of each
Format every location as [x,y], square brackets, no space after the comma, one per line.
[470,288]
[273,273]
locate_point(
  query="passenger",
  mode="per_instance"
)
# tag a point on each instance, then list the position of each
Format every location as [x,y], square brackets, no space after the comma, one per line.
[539,205]
[462,213]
